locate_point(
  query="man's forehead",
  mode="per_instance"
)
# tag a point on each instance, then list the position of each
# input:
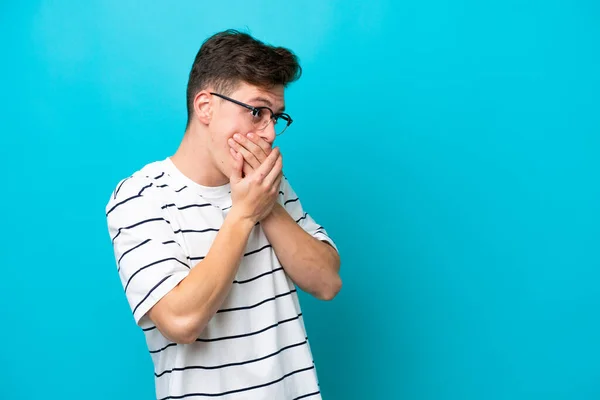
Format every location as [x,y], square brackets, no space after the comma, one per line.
[273,98]
[277,106]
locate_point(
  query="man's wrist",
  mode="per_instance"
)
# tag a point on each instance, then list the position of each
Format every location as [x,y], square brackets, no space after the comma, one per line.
[277,211]
[238,219]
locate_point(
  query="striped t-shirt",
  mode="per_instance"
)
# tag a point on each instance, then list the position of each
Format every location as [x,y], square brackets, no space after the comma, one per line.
[161,225]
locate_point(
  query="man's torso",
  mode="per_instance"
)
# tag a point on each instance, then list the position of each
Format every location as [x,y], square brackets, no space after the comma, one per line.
[255,347]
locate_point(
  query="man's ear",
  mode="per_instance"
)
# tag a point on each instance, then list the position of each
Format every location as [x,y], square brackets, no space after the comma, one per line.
[203,107]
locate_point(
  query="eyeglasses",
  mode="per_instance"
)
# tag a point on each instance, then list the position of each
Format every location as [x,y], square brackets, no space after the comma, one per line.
[261,116]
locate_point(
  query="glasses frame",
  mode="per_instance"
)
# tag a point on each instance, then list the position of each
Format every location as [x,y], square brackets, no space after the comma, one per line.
[255,110]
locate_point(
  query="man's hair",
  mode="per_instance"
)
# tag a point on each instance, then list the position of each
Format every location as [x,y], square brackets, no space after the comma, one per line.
[229,58]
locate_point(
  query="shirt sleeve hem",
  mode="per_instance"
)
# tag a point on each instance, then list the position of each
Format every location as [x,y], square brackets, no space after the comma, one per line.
[324,237]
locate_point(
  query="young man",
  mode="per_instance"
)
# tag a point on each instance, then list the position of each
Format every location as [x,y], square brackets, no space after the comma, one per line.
[211,242]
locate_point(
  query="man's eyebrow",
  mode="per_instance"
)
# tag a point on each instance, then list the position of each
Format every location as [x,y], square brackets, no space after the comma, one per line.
[267,102]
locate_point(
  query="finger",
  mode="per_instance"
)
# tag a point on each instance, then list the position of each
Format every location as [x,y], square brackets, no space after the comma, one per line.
[249,157]
[238,162]
[259,141]
[277,183]
[266,167]
[247,169]
[275,172]
[252,147]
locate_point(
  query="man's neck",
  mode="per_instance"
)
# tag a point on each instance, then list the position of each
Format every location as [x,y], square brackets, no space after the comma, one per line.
[192,158]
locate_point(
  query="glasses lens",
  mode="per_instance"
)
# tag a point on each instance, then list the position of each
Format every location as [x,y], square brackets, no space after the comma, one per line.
[280,125]
[262,118]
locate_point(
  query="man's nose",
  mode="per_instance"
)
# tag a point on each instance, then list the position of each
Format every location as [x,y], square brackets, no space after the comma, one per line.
[268,134]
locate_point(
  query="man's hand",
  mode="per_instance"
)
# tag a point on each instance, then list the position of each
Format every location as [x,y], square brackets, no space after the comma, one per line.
[254,194]
[253,148]
[312,264]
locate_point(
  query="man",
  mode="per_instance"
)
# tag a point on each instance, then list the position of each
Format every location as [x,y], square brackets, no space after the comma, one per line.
[211,242]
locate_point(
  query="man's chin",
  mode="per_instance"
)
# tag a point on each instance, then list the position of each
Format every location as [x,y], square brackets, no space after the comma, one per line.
[227,170]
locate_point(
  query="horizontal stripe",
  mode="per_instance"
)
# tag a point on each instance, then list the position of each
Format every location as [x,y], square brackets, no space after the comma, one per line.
[129,251]
[196,231]
[165,186]
[163,348]
[239,390]
[259,276]
[160,176]
[149,329]
[258,250]
[232,337]
[119,187]
[144,188]
[257,304]
[307,395]
[203,367]
[138,224]
[226,208]
[122,202]
[241,335]
[170,242]
[198,258]
[150,292]
[291,201]
[150,265]
[301,218]
[187,206]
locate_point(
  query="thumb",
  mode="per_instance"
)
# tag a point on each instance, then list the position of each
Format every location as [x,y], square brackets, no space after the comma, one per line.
[236,172]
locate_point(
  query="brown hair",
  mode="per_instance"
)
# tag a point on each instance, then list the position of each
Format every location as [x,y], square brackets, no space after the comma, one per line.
[231,57]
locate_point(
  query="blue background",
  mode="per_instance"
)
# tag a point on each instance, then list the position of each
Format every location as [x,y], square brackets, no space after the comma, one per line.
[451,148]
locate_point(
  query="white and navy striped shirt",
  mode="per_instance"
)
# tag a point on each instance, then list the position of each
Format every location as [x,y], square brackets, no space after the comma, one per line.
[161,225]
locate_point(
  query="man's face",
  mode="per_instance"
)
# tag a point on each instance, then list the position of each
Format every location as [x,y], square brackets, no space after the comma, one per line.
[229,119]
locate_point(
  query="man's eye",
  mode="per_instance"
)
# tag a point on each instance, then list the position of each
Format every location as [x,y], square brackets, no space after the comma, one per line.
[260,113]
[257,113]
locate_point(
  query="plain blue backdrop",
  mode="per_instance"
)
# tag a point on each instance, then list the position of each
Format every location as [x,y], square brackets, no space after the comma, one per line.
[451,148]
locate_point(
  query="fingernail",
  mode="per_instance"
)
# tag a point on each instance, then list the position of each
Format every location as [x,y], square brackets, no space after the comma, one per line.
[237,136]
[250,135]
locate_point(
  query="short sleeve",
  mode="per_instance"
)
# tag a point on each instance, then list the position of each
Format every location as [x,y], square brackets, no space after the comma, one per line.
[291,202]
[149,260]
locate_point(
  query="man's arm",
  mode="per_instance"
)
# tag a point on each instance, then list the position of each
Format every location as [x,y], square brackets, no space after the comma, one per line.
[311,263]
[158,281]
[182,314]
